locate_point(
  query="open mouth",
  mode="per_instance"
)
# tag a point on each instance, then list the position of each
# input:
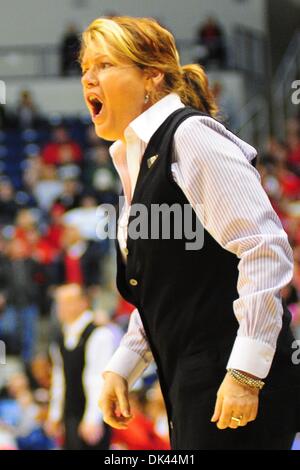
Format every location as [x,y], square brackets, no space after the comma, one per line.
[96,105]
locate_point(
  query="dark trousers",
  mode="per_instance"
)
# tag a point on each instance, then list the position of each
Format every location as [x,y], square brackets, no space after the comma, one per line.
[193,397]
[234,439]
[74,442]
[193,430]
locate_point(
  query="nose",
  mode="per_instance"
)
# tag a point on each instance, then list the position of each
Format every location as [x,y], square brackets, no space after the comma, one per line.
[89,79]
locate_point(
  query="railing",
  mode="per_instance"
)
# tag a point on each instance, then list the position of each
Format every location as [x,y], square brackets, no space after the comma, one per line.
[251,57]
[245,52]
[249,53]
[29,61]
[254,122]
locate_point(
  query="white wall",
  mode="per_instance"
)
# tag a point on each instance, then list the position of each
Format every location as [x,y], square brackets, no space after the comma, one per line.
[55,95]
[42,21]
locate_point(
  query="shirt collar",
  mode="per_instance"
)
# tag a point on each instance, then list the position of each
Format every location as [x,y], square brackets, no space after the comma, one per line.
[76,327]
[146,124]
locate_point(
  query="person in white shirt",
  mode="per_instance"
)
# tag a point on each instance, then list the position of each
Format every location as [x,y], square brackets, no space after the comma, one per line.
[78,357]
[133,85]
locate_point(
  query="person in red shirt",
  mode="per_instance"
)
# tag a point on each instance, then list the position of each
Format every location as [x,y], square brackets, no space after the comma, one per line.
[141,433]
[56,228]
[62,149]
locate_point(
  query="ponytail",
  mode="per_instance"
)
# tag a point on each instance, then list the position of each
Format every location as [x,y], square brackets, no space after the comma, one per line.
[196,91]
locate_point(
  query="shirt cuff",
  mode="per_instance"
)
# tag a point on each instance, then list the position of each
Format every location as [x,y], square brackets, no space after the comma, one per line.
[93,415]
[252,356]
[126,363]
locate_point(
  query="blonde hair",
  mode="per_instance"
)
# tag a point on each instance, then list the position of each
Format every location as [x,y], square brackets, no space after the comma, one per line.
[144,42]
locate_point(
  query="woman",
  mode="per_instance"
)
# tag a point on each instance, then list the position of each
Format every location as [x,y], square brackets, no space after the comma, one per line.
[198,311]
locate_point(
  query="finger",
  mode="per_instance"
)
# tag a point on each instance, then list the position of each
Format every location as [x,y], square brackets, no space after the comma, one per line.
[254,411]
[123,401]
[109,416]
[226,413]
[233,424]
[217,410]
[245,413]
[242,413]
[116,422]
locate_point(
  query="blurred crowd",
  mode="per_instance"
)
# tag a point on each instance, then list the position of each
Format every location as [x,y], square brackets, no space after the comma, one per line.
[55,173]
[279,167]
[54,176]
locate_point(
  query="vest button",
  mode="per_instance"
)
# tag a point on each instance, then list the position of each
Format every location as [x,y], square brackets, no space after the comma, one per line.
[126,251]
[133,282]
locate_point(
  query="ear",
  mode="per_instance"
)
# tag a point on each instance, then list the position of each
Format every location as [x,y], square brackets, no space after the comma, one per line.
[153,78]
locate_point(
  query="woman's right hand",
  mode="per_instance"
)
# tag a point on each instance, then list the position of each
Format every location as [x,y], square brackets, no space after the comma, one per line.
[114,401]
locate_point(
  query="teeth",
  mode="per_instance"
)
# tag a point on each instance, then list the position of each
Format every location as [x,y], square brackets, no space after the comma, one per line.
[96,104]
[94,99]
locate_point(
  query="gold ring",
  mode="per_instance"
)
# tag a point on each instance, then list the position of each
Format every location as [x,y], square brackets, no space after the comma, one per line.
[237,420]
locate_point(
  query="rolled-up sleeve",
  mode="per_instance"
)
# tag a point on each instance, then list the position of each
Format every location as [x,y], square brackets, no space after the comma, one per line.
[133,355]
[215,173]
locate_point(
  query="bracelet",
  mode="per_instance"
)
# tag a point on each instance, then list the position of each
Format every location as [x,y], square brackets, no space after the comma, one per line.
[245,379]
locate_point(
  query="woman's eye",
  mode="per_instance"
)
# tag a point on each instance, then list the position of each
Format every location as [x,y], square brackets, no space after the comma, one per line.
[101,66]
[106,65]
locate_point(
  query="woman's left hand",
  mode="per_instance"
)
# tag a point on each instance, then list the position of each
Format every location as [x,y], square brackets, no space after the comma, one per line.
[235,400]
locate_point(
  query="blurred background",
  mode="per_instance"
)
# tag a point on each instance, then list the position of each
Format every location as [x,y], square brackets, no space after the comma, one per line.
[55,173]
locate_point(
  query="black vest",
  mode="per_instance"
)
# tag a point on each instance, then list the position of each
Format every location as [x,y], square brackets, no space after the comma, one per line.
[73,365]
[185,297]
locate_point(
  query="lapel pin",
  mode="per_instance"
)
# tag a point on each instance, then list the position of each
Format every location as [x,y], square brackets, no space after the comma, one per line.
[151,160]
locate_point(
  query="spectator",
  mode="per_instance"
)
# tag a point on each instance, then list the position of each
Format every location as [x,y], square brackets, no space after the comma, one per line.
[70,47]
[70,196]
[25,224]
[62,150]
[20,289]
[48,188]
[79,357]
[210,36]
[8,204]
[80,261]
[27,427]
[32,171]
[88,217]
[101,175]
[27,113]
[56,227]
[141,433]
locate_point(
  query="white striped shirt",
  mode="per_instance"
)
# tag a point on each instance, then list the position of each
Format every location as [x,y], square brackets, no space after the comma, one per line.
[212,167]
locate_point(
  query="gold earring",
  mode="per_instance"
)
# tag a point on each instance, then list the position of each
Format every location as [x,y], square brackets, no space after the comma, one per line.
[147,96]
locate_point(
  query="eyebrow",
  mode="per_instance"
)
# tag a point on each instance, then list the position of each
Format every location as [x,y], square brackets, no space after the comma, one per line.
[95,57]
[101,56]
